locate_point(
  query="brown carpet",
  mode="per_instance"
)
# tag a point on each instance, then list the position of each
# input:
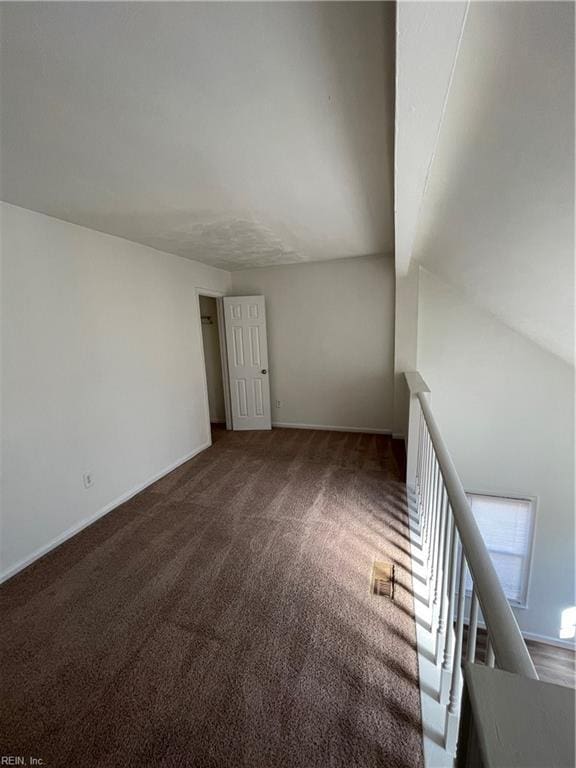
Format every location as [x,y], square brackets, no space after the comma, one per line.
[224,617]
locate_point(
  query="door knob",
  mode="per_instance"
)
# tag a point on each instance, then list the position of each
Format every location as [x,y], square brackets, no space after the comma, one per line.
[263,370]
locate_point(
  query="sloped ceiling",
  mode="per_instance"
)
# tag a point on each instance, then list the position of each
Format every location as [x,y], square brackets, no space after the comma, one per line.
[429,35]
[497,215]
[237,134]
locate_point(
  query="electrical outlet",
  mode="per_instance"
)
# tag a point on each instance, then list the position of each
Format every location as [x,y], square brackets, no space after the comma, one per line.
[277,403]
[88,479]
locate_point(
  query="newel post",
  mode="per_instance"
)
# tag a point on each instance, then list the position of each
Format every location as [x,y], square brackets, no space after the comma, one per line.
[416,384]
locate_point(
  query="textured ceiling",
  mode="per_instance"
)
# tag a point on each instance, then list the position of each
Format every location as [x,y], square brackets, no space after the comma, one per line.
[237,134]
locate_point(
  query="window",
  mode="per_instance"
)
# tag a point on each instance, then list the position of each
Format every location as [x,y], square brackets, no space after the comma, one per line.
[507,527]
[568,623]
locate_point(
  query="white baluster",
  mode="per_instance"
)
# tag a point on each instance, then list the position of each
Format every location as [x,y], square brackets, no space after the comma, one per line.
[426,482]
[443,613]
[490,659]
[434,526]
[418,487]
[431,509]
[472,628]
[429,494]
[425,448]
[453,713]
[446,673]
[437,563]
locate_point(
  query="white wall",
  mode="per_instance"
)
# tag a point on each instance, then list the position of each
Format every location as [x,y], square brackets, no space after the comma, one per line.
[506,410]
[330,340]
[405,343]
[101,372]
[212,360]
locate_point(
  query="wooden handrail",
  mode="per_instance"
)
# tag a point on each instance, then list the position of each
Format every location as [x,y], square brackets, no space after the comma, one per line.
[507,641]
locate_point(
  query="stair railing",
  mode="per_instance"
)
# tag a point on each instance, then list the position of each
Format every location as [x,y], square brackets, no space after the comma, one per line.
[452,547]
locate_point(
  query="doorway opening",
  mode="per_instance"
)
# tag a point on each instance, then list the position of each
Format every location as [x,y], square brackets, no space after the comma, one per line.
[210,319]
[235,352]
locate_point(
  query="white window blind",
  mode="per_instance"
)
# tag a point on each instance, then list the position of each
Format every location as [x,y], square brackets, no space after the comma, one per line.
[507,527]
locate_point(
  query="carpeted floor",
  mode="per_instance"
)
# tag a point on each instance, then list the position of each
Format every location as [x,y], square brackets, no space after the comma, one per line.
[224,617]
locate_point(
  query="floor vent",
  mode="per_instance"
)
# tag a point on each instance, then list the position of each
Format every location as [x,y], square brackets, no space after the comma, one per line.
[383,579]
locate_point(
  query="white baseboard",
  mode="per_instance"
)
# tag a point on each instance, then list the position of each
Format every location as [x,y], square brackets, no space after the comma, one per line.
[547,640]
[330,428]
[544,639]
[77,527]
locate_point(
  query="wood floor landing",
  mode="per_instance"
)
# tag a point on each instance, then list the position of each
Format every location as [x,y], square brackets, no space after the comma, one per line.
[224,617]
[553,664]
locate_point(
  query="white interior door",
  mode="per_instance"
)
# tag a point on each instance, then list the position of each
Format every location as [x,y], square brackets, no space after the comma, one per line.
[247,349]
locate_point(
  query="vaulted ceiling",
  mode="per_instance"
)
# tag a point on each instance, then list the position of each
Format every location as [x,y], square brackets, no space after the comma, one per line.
[250,134]
[490,209]
[237,134]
